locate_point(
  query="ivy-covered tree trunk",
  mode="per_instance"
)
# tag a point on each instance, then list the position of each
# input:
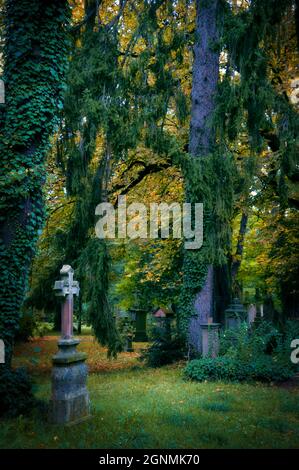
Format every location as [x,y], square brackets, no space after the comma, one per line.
[202,140]
[35,59]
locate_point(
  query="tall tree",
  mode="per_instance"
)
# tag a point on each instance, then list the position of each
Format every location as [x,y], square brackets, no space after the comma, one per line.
[247,101]
[35,59]
[201,146]
[202,132]
[204,79]
[118,96]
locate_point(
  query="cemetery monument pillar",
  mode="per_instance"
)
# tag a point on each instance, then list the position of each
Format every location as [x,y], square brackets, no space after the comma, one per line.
[70,400]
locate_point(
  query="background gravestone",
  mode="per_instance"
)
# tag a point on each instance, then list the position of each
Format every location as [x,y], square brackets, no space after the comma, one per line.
[235,314]
[210,339]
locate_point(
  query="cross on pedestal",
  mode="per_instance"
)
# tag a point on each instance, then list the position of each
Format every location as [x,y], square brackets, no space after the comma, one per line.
[67,288]
[70,401]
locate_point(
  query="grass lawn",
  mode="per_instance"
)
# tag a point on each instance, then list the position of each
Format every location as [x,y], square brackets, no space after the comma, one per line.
[136,407]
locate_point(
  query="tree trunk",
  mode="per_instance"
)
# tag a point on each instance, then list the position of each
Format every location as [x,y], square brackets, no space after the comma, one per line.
[204,79]
[35,48]
[202,132]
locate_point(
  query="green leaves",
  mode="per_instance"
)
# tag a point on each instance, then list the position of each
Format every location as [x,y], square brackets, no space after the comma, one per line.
[35,47]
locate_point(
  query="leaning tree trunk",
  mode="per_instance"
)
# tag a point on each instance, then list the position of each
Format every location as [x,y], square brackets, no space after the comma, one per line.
[35,58]
[202,133]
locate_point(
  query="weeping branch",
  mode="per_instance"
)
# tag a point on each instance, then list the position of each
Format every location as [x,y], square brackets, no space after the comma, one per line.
[145,171]
[237,258]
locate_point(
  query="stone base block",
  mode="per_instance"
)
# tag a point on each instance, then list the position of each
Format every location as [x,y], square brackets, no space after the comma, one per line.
[70,400]
[210,339]
[69,411]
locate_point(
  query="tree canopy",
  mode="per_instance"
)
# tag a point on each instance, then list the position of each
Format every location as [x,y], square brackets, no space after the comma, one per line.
[160,101]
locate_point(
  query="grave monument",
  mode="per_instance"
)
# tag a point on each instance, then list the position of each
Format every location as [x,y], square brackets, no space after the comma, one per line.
[70,400]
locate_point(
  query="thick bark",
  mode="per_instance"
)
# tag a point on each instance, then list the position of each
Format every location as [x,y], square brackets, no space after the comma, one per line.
[202,133]
[204,78]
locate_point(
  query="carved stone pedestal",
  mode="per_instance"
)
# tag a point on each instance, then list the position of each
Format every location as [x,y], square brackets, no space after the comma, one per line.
[69,403]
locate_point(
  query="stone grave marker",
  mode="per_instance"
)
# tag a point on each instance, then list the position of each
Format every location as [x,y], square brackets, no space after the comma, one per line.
[70,399]
[210,338]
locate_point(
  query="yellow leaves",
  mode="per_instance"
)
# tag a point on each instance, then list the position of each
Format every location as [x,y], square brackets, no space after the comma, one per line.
[167,36]
[151,79]
[77,10]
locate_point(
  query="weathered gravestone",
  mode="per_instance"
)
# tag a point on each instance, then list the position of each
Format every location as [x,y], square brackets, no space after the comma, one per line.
[235,314]
[70,400]
[203,311]
[139,316]
[251,313]
[163,321]
[210,338]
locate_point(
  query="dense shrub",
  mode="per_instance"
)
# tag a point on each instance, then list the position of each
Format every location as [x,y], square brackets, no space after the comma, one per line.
[166,347]
[259,353]
[231,369]
[126,330]
[27,324]
[42,328]
[245,342]
[32,325]
[16,395]
[164,350]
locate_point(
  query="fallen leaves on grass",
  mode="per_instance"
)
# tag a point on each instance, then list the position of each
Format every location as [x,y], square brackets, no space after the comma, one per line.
[36,355]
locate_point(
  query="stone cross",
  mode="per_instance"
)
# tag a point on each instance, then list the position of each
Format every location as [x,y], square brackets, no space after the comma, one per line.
[67,288]
[69,402]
